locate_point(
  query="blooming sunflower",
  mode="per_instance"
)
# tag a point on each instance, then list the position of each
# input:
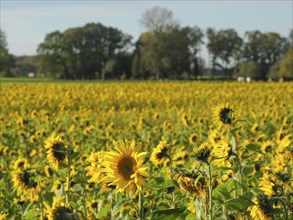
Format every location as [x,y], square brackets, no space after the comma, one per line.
[267,147]
[193,138]
[56,151]
[160,154]
[124,167]
[94,169]
[221,152]
[224,115]
[24,183]
[21,163]
[59,211]
[266,185]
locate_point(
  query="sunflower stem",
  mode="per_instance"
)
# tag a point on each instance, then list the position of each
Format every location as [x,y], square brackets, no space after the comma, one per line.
[68,177]
[141,208]
[284,206]
[210,193]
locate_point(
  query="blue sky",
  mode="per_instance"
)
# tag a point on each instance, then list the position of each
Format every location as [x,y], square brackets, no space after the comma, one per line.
[27,22]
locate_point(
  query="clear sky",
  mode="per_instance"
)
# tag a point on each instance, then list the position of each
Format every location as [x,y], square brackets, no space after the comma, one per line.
[27,22]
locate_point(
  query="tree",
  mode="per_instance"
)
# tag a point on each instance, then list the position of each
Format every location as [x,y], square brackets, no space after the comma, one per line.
[158,19]
[286,65]
[167,54]
[249,69]
[224,46]
[83,52]
[6,60]
[264,48]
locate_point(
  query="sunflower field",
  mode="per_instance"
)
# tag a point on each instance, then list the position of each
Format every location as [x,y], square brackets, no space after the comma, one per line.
[146,150]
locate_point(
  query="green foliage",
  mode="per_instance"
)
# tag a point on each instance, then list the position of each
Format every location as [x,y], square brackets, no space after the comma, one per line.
[81,52]
[169,214]
[286,64]
[162,183]
[249,69]
[224,46]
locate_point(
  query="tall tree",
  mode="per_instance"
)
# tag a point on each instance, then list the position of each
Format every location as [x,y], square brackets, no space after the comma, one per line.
[6,59]
[82,52]
[264,48]
[224,46]
[158,19]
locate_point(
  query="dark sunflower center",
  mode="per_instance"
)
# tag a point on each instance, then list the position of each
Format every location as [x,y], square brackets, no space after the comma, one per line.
[58,151]
[269,149]
[26,179]
[60,213]
[203,154]
[21,164]
[193,138]
[226,116]
[162,154]
[125,167]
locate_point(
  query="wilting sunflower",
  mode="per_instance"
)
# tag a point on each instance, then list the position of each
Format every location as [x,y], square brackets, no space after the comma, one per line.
[56,151]
[25,184]
[203,153]
[188,184]
[160,154]
[124,167]
[60,211]
[224,115]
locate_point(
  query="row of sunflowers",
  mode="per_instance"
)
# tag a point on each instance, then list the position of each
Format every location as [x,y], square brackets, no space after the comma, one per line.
[146,150]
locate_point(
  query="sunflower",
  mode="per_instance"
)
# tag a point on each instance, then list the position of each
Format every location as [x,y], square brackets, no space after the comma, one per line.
[160,154]
[278,163]
[267,147]
[48,171]
[221,152]
[261,208]
[60,211]
[25,184]
[56,151]
[266,185]
[21,163]
[203,153]
[224,115]
[193,138]
[180,157]
[124,167]
[187,183]
[94,169]
[3,216]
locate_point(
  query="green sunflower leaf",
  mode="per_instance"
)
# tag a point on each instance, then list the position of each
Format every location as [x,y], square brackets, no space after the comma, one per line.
[253,147]
[162,183]
[221,194]
[238,204]
[167,214]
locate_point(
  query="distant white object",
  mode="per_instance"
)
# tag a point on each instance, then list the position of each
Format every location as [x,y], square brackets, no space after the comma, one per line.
[281,79]
[248,79]
[31,74]
[240,79]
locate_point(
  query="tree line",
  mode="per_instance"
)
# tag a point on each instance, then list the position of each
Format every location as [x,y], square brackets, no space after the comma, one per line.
[166,50]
